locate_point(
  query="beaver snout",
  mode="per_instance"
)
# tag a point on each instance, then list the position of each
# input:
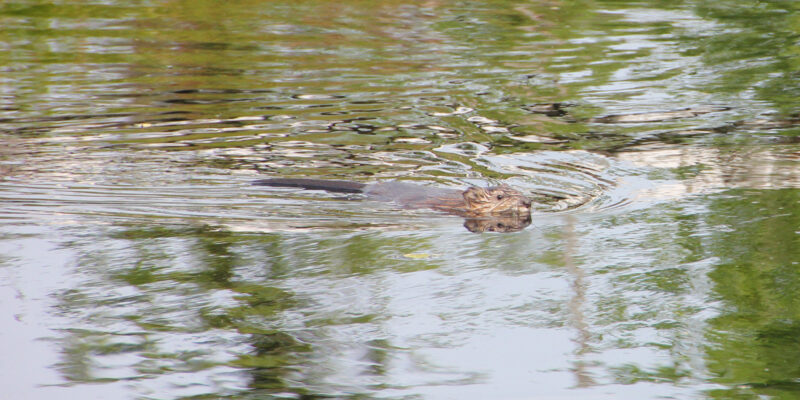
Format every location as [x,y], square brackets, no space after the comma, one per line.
[521,203]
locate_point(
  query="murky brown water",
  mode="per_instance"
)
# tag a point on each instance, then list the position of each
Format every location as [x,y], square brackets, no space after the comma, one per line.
[659,142]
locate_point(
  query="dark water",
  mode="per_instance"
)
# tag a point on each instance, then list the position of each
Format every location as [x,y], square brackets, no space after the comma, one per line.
[659,140]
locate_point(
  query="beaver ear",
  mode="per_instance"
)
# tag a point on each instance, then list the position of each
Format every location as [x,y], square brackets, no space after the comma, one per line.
[472,193]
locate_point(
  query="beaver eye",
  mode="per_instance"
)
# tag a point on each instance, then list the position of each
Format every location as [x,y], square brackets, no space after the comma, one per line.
[500,197]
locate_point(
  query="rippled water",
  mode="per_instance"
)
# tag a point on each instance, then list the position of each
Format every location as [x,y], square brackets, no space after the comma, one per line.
[659,142]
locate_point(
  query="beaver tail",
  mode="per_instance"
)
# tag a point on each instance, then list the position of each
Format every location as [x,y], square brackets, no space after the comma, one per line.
[314,184]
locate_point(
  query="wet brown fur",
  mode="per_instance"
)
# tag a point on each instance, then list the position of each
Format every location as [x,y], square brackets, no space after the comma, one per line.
[476,201]
[493,201]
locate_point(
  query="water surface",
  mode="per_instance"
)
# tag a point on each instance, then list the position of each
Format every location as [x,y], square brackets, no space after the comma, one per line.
[658,139]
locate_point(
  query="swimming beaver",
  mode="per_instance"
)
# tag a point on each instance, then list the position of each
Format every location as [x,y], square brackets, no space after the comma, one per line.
[494,201]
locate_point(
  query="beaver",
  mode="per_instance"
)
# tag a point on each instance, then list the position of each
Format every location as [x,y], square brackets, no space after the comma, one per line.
[475,202]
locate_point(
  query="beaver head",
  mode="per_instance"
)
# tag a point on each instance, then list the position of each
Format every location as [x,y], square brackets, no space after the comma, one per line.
[497,200]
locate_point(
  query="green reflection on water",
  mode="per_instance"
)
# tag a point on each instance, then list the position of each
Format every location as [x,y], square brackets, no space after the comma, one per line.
[754,343]
[372,89]
[760,54]
[140,305]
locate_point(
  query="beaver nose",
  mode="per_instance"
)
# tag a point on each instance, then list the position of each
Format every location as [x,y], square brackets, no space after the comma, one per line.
[526,201]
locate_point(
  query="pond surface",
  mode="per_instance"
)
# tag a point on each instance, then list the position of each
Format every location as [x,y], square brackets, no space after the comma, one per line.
[659,140]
